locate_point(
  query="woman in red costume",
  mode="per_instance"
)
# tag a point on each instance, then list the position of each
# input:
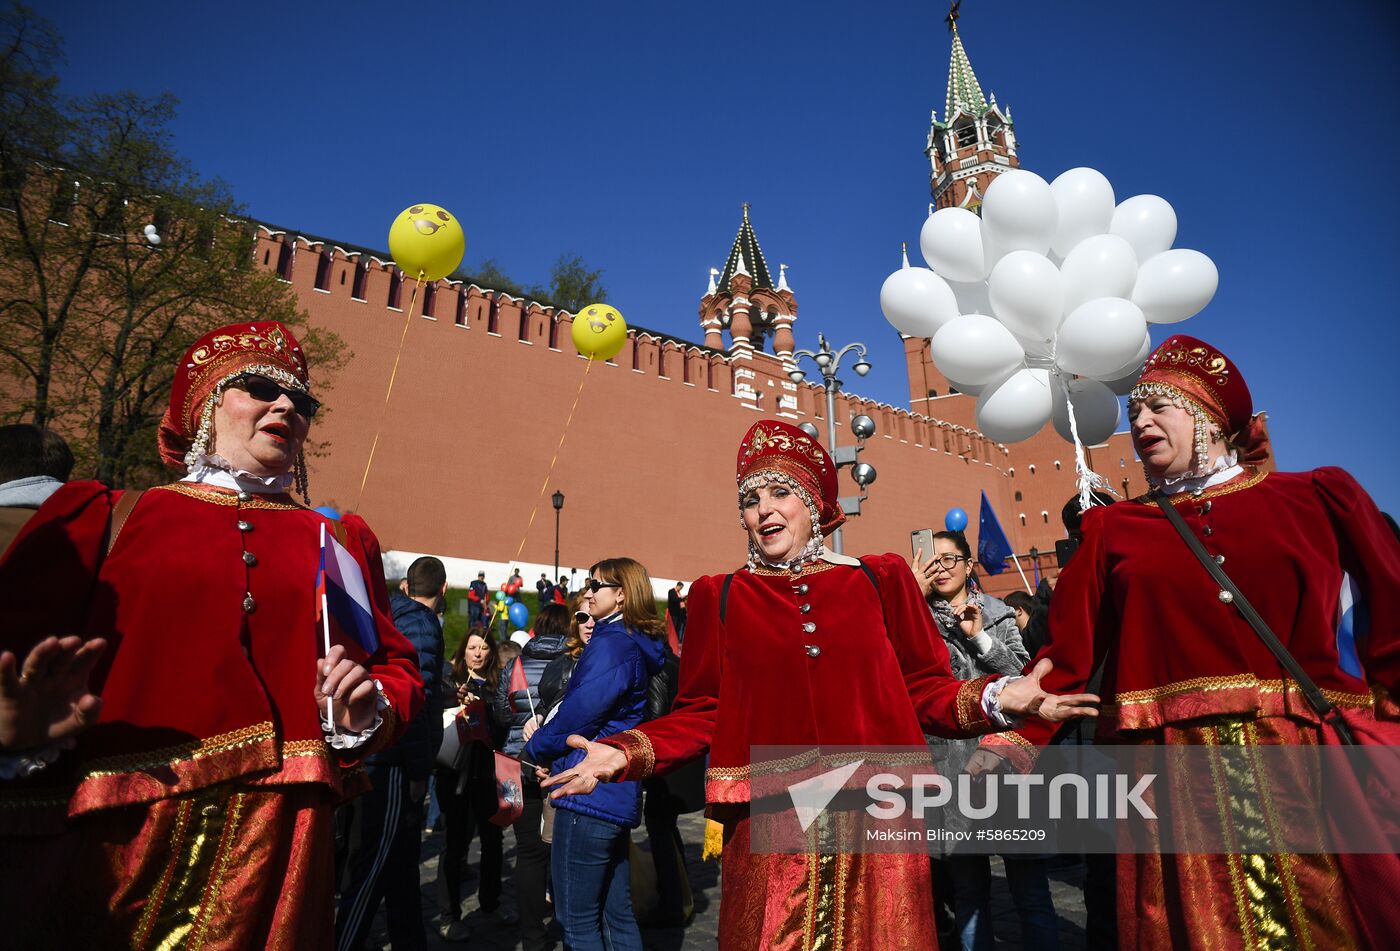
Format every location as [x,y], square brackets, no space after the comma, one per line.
[1182,666]
[800,625]
[170,768]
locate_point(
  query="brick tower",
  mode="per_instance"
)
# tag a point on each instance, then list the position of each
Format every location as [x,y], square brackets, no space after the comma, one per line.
[746,302]
[974,143]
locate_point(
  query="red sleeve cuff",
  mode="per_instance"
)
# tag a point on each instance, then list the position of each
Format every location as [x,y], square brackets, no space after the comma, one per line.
[1011,746]
[968,705]
[636,746]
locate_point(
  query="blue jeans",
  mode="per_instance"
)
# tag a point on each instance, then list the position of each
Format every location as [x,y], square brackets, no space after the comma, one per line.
[1029,885]
[592,897]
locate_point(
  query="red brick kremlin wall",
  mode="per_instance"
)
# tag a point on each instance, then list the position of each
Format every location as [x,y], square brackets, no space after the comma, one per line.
[486,382]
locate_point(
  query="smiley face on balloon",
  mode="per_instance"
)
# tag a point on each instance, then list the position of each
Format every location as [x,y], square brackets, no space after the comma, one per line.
[599,331]
[427,241]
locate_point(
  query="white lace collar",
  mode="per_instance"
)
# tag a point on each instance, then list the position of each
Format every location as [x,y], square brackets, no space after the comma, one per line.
[1226,468]
[212,469]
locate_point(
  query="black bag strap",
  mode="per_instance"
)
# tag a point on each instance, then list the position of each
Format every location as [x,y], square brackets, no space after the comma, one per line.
[1230,594]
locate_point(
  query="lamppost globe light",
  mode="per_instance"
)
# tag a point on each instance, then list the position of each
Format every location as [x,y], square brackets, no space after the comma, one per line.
[796,376]
[810,430]
[861,368]
[822,358]
[862,426]
[864,474]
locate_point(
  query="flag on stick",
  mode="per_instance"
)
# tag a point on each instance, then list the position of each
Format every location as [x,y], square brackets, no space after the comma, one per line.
[992,547]
[343,604]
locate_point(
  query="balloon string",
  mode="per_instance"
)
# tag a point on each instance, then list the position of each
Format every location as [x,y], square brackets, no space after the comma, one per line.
[1087,479]
[547,476]
[383,410]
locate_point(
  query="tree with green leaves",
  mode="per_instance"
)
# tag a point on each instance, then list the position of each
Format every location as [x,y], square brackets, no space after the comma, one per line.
[114,256]
[572,286]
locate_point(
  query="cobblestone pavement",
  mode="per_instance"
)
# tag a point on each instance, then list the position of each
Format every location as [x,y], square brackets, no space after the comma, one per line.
[704,880]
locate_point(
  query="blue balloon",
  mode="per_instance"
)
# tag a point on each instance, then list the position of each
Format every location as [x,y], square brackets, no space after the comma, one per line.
[327,511]
[955,520]
[519,615]
[509,600]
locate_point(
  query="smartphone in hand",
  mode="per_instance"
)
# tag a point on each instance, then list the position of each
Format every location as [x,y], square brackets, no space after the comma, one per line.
[922,541]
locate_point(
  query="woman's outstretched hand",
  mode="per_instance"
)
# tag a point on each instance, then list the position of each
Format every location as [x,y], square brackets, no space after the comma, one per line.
[600,765]
[46,700]
[1024,697]
[355,697]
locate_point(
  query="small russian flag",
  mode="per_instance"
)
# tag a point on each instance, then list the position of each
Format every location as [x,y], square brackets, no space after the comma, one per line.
[342,597]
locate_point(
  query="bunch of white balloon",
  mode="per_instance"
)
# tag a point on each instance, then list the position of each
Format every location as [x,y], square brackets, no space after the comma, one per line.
[1043,303]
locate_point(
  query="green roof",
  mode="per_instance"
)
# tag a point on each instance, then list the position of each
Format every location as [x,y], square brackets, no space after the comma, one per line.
[746,247]
[964,92]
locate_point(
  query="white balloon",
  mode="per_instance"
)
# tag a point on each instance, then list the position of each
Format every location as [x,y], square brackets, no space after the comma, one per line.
[1096,410]
[976,349]
[1123,380]
[1038,349]
[973,297]
[1016,406]
[1026,294]
[1147,222]
[1174,285]
[1018,214]
[1103,265]
[1084,200]
[917,301]
[951,241]
[1099,337]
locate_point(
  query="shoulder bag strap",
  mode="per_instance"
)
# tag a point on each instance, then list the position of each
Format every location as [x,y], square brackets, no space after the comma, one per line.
[1320,704]
[120,513]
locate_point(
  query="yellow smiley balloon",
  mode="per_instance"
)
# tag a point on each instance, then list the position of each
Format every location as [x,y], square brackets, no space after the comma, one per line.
[599,331]
[427,242]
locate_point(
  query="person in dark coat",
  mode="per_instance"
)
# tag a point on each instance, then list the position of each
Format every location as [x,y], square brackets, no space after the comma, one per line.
[384,866]
[517,700]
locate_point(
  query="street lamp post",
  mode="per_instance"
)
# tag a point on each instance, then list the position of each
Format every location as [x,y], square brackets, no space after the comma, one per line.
[558,500]
[829,362]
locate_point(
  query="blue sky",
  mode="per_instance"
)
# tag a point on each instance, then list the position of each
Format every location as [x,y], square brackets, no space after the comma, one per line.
[630,133]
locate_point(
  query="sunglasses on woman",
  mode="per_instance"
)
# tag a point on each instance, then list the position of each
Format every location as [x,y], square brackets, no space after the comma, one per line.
[264,390]
[594,585]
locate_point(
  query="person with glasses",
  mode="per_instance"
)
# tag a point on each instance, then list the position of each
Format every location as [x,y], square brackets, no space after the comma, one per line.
[607,694]
[1185,668]
[804,647]
[168,766]
[982,638]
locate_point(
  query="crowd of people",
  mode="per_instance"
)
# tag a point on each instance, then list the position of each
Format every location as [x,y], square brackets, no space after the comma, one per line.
[176,770]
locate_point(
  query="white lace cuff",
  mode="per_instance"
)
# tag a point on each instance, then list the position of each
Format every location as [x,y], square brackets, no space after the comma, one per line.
[991,703]
[348,739]
[24,765]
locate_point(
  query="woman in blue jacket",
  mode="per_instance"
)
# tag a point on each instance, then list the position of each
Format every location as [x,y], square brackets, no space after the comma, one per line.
[606,695]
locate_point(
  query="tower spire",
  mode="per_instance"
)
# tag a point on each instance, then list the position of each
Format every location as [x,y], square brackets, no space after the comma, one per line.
[963,89]
[746,257]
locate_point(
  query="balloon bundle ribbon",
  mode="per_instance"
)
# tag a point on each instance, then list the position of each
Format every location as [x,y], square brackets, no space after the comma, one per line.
[1087,479]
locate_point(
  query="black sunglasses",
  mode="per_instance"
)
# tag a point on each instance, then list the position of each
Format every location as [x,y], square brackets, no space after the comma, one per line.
[582,616]
[594,585]
[264,390]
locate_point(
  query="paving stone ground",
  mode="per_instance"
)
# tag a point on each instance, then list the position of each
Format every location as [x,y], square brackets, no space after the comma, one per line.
[704,880]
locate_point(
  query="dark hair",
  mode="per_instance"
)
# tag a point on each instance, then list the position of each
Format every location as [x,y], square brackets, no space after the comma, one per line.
[490,672]
[1022,601]
[1073,518]
[553,621]
[27,450]
[426,576]
[958,539]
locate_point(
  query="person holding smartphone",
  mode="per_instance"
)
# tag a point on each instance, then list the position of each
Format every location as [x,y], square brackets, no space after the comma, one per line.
[982,638]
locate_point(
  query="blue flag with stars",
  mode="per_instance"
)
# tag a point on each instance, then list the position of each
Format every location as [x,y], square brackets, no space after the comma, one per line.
[992,547]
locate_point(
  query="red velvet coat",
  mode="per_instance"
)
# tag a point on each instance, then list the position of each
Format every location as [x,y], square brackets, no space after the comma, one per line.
[880,678]
[1176,652]
[195,691]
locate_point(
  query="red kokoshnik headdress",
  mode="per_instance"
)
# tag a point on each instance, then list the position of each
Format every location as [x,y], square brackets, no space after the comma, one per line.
[264,347]
[771,448]
[1192,370]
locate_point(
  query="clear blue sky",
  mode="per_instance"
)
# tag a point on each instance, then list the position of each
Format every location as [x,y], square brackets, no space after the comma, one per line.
[631,132]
